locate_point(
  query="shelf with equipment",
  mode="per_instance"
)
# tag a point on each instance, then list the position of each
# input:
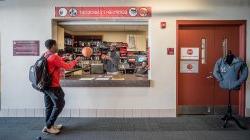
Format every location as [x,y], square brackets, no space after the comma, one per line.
[68,39]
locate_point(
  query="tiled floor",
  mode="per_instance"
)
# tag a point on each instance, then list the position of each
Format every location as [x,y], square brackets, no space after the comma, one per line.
[185,127]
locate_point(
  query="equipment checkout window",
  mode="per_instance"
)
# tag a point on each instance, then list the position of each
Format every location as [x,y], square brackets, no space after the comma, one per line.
[108,51]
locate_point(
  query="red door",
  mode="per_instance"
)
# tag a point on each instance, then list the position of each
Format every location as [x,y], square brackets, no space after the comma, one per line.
[199,92]
[225,36]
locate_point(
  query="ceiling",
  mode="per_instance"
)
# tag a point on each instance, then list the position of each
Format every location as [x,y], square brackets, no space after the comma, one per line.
[112,28]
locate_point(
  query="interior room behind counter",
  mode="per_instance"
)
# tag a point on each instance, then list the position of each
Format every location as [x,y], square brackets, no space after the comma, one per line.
[129,41]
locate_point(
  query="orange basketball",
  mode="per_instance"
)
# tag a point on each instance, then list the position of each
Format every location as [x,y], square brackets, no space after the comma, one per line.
[87,51]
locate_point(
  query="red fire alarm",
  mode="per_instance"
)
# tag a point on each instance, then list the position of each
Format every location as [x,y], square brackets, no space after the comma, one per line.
[163,25]
[170,51]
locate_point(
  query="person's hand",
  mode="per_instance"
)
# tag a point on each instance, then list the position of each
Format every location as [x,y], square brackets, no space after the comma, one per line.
[108,57]
[78,58]
[103,56]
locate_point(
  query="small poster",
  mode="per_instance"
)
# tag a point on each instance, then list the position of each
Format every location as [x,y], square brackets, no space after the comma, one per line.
[131,40]
[170,51]
[189,66]
[190,53]
[26,48]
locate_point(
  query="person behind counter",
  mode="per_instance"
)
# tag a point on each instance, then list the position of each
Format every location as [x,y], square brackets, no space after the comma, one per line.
[54,95]
[142,70]
[111,61]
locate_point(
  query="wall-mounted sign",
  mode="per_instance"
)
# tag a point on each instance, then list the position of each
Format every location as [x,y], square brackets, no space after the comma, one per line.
[189,66]
[190,53]
[26,48]
[170,51]
[103,12]
[163,25]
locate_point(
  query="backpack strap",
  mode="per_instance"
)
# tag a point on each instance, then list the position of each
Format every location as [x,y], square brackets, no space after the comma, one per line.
[47,55]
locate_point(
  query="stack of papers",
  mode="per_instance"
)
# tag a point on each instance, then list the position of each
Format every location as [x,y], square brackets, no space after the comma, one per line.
[102,78]
[118,79]
[86,79]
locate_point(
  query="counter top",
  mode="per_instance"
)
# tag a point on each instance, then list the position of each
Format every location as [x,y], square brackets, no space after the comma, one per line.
[128,80]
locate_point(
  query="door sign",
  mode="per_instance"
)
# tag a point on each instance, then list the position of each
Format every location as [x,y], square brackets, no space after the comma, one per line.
[189,66]
[190,53]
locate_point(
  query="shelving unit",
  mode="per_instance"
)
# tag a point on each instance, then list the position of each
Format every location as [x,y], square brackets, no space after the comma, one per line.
[75,44]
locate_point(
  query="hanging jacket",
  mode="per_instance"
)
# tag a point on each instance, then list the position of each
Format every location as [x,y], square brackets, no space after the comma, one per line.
[230,76]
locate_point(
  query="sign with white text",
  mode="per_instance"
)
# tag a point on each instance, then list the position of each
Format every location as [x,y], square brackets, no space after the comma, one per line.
[89,12]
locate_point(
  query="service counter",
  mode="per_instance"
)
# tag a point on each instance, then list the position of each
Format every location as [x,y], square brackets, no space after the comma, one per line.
[104,80]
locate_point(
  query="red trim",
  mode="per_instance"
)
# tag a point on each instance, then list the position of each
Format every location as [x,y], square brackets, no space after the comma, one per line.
[242,51]
[177,65]
[210,22]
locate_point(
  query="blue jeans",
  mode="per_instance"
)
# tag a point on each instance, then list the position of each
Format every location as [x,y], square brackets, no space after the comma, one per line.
[54,103]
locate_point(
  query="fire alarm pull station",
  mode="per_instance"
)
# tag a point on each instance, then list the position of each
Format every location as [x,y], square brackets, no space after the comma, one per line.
[163,25]
[170,51]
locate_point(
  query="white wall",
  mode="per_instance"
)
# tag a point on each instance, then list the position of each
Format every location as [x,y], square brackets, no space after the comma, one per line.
[31,19]
[0,49]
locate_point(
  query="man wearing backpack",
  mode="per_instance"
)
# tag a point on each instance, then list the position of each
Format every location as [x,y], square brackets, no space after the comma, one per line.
[54,95]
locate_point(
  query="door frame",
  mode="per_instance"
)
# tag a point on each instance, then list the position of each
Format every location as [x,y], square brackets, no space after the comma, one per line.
[0,71]
[242,52]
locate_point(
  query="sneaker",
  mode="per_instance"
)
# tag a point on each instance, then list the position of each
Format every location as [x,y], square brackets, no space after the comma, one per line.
[44,129]
[52,130]
[59,126]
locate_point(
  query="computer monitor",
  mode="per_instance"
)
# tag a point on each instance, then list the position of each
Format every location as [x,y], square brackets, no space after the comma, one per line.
[141,58]
[97,69]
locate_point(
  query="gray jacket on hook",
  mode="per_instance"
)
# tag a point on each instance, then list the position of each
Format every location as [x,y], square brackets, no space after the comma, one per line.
[230,76]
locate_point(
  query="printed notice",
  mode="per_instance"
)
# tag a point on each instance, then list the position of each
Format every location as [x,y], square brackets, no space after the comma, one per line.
[190,53]
[189,66]
[26,48]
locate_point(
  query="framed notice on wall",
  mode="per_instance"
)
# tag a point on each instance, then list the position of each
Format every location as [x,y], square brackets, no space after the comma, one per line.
[26,48]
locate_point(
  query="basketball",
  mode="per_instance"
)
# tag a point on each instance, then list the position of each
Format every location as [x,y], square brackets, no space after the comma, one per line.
[87,51]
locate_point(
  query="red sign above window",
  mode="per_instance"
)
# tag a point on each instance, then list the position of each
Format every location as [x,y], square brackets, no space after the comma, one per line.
[103,12]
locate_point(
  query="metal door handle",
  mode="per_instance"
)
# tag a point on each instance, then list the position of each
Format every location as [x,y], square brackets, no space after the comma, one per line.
[210,77]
